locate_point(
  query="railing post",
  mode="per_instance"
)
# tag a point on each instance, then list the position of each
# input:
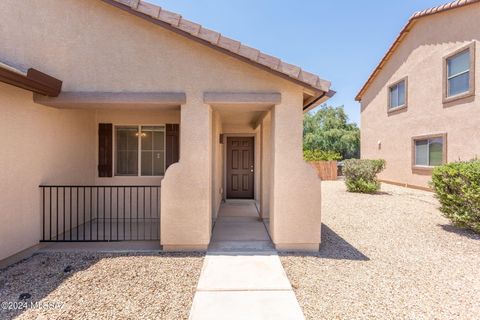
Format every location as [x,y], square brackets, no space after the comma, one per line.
[70,188]
[130,213]
[50,215]
[91,212]
[56,209]
[64,217]
[43,213]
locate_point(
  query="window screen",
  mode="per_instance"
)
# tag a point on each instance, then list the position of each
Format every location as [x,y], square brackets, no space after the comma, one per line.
[126,155]
[458,73]
[153,150]
[397,94]
[429,152]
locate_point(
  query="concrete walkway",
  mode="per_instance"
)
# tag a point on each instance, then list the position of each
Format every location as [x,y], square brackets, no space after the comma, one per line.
[242,277]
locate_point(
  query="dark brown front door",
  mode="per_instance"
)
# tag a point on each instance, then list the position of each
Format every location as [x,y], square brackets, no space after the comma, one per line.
[240,166]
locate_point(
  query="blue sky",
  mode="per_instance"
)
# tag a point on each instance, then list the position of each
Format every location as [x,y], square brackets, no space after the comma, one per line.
[342,41]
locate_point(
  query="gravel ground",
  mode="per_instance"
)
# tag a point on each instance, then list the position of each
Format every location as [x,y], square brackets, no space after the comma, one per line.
[102,286]
[387,256]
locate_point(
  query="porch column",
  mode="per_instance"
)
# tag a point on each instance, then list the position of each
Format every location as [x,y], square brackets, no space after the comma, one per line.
[186,187]
[295,199]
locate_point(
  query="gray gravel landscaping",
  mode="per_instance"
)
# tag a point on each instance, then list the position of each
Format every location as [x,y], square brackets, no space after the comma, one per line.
[101,286]
[387,256]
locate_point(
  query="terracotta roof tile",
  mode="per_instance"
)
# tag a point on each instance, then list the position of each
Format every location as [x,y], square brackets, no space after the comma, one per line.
[268,60]
[233,46]
[309,77]
[134,4]
[125,2]
[405,30]
[209,35]
[290,69]
[169,17]
[148,9]
[190,27]
[229,44]
[248,52]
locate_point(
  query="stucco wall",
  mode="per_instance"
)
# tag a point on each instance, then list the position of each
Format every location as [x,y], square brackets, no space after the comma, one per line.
[93,46]
[420,57]
[295,189]
[40,145]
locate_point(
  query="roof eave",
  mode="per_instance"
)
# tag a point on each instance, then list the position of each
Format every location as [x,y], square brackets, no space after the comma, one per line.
[385,58]
[321,84]
[33,80]
[416,16]
[318,100]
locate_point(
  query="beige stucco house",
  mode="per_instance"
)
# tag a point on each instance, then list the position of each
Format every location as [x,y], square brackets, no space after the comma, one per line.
[419,108]
[139,125]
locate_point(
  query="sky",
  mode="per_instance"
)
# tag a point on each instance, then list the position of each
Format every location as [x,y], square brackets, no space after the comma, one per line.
[340,40]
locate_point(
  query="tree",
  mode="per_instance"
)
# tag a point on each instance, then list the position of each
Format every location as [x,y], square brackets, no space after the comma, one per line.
[329,130]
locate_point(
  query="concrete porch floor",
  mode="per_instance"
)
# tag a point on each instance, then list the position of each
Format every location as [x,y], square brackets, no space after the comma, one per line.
[239,228]
[143,229]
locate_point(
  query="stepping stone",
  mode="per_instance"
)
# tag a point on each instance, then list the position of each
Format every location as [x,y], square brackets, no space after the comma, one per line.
[239,231]
[240,246]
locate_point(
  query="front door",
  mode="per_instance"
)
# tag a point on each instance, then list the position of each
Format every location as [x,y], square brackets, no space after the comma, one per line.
[240,166]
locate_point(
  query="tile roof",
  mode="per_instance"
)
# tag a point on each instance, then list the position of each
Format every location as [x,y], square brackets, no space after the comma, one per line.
[218,40]
[405,31]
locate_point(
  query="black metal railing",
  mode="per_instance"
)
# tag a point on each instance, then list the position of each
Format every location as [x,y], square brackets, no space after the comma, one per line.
[100,213]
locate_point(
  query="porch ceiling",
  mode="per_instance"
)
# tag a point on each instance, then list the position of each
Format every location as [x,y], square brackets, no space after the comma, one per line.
[240,117]
[242,108]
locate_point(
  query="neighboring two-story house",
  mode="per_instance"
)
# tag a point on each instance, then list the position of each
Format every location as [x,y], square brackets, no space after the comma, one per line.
[419,108]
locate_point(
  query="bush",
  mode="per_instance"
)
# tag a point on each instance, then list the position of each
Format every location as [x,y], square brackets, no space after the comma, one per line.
[457,187]
[361,174]
[319,155]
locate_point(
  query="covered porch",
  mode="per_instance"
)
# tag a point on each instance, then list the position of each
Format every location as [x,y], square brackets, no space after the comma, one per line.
[219,148]
[129,139]
[243,146]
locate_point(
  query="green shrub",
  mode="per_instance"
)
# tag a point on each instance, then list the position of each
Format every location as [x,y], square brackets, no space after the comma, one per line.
[319,155]
[361,174]
[457,187]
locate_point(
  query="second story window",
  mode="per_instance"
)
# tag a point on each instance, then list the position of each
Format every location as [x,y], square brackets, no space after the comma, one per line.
[458,73]
[397,95]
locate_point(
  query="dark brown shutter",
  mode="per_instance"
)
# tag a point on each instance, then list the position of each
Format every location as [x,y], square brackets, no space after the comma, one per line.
[172,147]
[105,152]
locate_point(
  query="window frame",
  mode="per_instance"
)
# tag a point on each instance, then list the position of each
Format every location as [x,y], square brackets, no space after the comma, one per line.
[139,163]
[442,135]
[391,109]
[471,91]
